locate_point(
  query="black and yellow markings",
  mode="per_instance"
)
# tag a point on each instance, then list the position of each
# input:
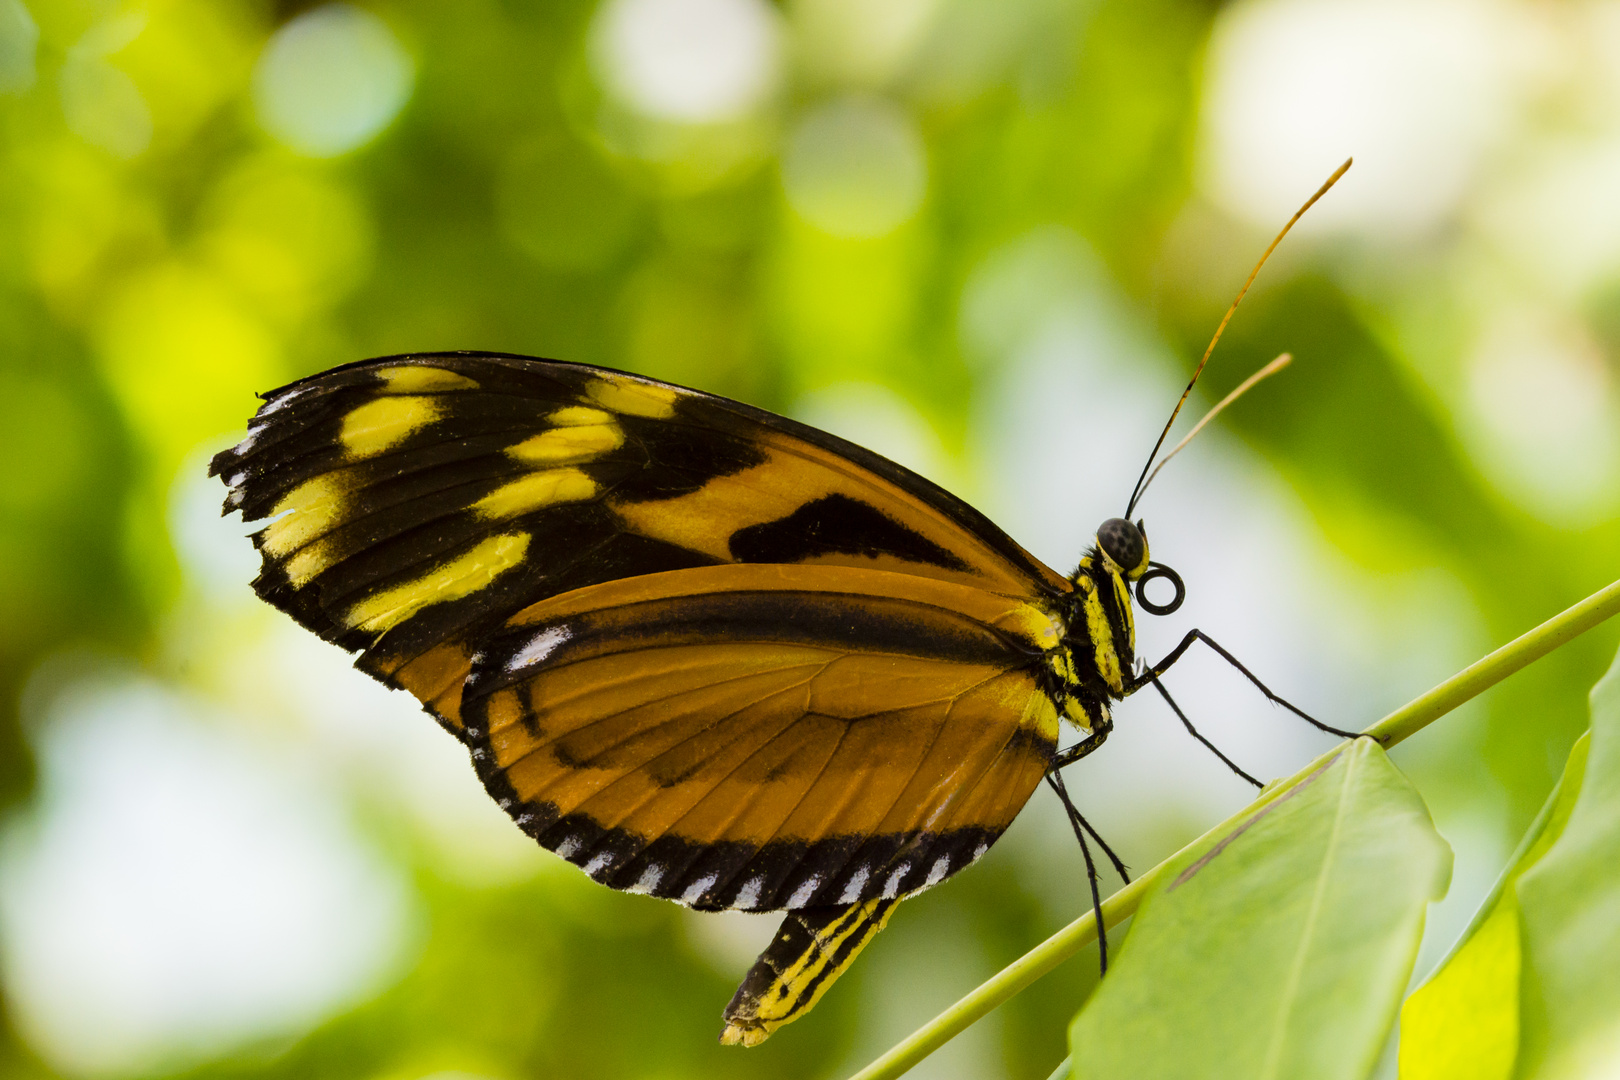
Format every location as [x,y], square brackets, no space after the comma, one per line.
[1100,624]
[461,576]
[630,396]
[703,652]
[809,951]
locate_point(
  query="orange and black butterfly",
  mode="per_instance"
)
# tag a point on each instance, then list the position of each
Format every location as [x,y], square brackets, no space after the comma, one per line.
[701,651]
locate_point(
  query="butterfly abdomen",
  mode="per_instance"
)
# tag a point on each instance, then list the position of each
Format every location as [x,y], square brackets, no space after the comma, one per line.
[810,950]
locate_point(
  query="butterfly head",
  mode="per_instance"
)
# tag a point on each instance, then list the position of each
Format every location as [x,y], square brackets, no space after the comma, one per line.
[1125,546]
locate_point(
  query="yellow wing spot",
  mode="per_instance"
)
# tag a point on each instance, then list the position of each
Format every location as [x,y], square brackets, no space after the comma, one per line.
[534,492]
[304,513]
[1041,714]
[455,579]
[632,398]
[377,425]
[568,444]
[419,379]
[578,416]
[302,567]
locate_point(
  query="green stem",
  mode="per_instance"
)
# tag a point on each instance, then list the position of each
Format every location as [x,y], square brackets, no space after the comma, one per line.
[1398,725]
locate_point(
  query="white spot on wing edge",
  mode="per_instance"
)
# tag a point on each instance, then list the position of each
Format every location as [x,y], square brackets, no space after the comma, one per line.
[567,847]
[937,872]
[852,891]
[283,401]
[649,879]
[539,648]
[598,862]
[695,890]
[891,888]
[748,895]
[803,893]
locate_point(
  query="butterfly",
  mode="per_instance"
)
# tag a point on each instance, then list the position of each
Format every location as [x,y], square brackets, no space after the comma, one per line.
[702,651]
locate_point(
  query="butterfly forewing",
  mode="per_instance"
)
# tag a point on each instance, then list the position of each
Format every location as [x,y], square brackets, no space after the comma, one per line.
[766,736]
[415,503]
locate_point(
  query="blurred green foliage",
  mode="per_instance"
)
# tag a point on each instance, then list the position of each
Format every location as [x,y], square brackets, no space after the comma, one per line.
[165,257]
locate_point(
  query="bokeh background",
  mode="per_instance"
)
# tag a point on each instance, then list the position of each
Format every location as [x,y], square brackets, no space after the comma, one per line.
[986,239]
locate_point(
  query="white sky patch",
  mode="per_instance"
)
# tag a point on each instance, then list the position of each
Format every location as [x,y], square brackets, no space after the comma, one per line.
[541,646]
[691,61]
[179,890]
[1418,91]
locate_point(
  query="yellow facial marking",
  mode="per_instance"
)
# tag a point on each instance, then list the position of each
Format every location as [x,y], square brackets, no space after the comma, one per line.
[566,444]
[417,379]
[632,398]
[455,579]
[377,425]
[1123,592]
[535,491]
[304,513]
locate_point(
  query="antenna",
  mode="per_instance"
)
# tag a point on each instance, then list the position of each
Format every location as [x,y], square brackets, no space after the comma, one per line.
[1141,481]
[1243,388]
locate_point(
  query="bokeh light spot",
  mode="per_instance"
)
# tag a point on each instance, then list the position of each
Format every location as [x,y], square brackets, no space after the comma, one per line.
[1415,91]
[1550,430]
[177,891]
[855,167]
[100,103]
[19,37]
[331,80]
[696,61]
[880,420]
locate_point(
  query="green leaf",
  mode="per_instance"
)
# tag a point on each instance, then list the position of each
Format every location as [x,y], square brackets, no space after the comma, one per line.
[1463,1022]
[1569,906]
[1285,944]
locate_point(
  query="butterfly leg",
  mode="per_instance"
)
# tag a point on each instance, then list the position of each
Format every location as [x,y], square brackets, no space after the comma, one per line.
[812,948]
[1186,723]
[1081,827]
[1099,733]
[1151,675]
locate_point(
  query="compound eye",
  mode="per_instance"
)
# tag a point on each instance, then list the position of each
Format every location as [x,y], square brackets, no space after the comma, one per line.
[1124,543]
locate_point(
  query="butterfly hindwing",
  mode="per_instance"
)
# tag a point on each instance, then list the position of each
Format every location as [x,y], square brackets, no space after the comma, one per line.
[414,503]
[766,736]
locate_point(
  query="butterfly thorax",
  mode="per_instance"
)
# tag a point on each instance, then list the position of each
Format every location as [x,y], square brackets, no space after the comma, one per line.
[1099,642]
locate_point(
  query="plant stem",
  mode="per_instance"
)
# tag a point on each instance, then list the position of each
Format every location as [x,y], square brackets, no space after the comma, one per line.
[1398,725]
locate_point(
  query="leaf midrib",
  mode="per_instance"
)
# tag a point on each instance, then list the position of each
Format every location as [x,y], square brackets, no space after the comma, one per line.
[1296,971]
